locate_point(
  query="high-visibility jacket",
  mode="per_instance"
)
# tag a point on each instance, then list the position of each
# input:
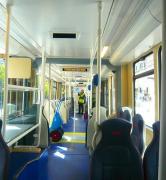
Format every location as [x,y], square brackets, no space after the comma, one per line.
[81,99]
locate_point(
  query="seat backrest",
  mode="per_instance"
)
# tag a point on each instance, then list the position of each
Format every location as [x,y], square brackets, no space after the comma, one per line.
[4,157]
[137,134]
[48,115]
[151,156]
[92,125]
[115,157]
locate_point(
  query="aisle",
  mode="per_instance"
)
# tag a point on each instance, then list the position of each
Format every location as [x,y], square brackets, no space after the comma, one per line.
[65,162]
[68,160]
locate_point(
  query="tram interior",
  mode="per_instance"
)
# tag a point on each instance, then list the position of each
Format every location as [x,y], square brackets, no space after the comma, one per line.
[49,52]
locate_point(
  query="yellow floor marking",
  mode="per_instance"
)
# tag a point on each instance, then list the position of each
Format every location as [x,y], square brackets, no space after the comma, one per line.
[72,141]
[73,137]
[74,133]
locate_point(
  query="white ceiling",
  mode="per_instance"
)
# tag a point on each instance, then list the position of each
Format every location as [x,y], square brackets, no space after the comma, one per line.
[129,23]
[38,19]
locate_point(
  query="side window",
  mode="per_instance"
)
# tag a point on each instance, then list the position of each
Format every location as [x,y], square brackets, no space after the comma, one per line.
[144,88]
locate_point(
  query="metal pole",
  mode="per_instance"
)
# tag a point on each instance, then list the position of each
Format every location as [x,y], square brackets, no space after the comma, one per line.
[109,95]
[49,87]
[23,98]
[91,83]
[88,94]
[42,84]
[98,88]
[162,150]
[43,76]
[8,14]
[65,90]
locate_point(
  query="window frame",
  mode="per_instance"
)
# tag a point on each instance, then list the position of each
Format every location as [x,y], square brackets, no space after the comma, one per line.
[159,74]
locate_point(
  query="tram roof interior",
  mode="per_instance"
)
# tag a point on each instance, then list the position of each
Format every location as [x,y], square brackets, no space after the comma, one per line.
[129,29]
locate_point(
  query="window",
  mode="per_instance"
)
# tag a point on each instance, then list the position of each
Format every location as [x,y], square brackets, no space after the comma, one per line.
[144,89]
[23,105]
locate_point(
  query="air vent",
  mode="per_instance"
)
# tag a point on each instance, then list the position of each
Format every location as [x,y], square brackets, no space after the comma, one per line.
[64,35]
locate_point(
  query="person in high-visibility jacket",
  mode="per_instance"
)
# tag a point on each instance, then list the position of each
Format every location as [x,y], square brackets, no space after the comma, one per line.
[81,101]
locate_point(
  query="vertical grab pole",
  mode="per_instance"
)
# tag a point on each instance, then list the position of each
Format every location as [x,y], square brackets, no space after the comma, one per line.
[91,83]
[98,88]
[162,150]
[42,91]
[8,14]
[65,90]
[49,88]
[43,76]
[109,96]
[88,94]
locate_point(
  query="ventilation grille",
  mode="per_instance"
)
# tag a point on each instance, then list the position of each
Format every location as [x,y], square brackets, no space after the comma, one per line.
[64,35]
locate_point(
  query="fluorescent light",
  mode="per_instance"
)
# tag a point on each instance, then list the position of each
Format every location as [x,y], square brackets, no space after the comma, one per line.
[104,51]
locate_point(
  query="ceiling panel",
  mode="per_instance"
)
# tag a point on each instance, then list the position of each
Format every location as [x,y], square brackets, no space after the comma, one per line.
[40,18]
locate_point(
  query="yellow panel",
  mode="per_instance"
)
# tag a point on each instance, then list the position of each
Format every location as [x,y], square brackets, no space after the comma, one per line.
[130,85]
[127,85]
[19,68]
[26,149]
[124,82]
[149,136]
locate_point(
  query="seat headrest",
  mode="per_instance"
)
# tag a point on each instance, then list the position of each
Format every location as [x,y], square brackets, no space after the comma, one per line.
[115,131]
[0,125]
[138,122]
[103,116]
[120,112]
[156,129]
[126,115]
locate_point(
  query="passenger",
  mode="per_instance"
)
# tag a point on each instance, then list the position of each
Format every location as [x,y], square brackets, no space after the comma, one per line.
[81,101]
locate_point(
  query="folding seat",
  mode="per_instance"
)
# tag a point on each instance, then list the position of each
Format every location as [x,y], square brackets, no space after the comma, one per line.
[137,134]
[115,157]
[4,157]
[151,156]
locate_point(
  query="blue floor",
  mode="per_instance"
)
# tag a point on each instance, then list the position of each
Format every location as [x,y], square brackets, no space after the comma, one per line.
[77,125]
[61,161]
[18,160]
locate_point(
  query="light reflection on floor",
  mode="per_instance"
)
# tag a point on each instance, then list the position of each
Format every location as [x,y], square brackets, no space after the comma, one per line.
[73,137]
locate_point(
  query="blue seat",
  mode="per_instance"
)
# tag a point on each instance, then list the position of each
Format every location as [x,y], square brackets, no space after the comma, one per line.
[151,156]
[137,134]
[4,157]
[115,157]
[120,112]
[124,114]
